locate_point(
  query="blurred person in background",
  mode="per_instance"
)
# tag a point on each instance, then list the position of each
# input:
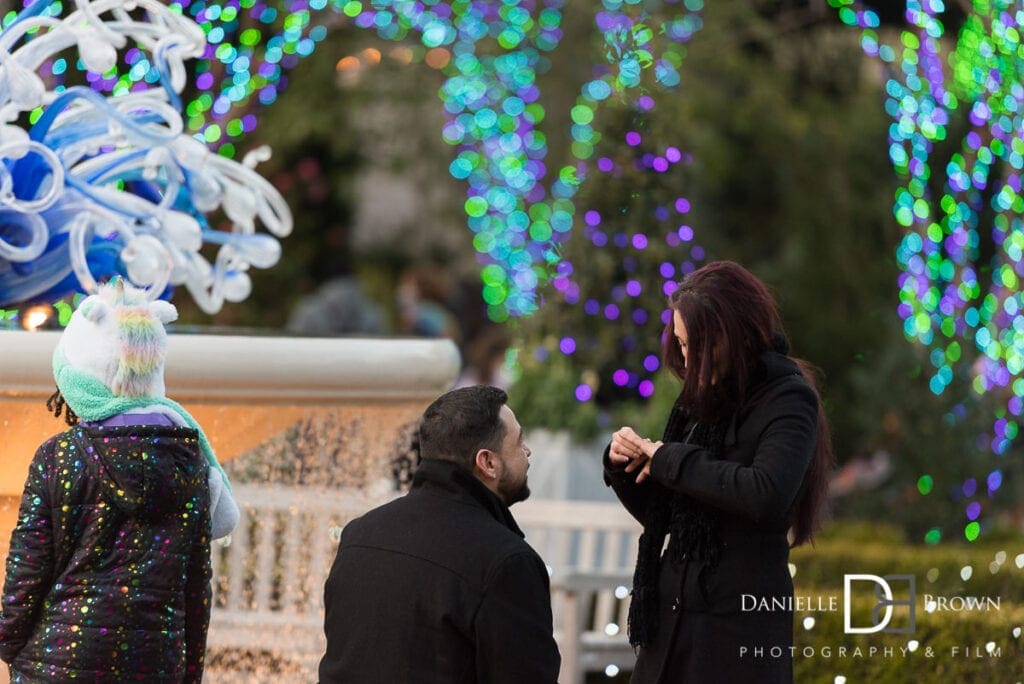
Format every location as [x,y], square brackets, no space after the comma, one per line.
[484,360]
[338,307]
[424,303]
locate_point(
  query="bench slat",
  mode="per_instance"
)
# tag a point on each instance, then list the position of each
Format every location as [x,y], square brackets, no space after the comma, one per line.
[586,559]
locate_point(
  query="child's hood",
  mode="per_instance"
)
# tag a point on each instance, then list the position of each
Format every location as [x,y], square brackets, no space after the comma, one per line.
[147,470]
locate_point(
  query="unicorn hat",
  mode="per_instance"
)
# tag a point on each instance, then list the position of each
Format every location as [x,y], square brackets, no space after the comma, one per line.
[110,358]
[117,336]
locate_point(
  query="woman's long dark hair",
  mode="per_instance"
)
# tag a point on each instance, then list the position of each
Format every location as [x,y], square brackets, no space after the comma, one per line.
[731,319]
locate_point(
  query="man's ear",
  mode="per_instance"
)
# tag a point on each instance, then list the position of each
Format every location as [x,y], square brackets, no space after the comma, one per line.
[486,463]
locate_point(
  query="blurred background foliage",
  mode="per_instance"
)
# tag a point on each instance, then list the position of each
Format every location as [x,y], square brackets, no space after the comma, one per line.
[780,121]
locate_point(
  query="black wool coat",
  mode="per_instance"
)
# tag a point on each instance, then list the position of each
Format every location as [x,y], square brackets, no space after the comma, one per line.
[438,587]
[108,575]
[717,630]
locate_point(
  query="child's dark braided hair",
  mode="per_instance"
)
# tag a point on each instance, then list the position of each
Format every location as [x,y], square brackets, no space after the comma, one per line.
[56,405]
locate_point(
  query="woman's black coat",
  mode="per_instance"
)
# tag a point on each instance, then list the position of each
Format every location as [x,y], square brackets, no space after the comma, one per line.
[708,632]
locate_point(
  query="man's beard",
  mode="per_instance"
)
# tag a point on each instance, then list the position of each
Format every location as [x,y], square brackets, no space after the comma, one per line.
[522,493]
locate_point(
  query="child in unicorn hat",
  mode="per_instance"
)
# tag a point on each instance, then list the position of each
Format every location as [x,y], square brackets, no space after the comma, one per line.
[108,575]
[109,370]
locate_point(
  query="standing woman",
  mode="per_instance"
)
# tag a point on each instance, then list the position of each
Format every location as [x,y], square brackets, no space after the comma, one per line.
[740,475]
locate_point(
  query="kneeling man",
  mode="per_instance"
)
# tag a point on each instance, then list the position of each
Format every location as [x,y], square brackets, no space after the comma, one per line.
[439,585]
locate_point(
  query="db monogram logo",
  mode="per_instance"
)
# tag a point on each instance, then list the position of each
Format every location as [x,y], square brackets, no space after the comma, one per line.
[886,601]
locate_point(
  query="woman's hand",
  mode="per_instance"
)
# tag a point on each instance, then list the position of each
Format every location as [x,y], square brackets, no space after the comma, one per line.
[645,471]
[622,450]
[634,451]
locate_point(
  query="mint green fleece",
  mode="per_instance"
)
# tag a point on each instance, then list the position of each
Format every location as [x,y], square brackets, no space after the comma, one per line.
[91,400]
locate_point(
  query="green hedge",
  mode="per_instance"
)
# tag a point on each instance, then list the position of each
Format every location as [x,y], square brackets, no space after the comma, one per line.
[850,548]
[868,548]
[817,659]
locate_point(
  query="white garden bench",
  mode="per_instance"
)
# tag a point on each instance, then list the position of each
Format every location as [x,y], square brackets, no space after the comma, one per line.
[590,550]
[268,580]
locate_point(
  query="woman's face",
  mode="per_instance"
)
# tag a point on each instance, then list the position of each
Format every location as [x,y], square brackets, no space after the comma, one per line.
[679,329]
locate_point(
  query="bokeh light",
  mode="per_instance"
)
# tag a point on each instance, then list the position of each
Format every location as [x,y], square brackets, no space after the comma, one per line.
[517,211]
[615,243]
[962,252]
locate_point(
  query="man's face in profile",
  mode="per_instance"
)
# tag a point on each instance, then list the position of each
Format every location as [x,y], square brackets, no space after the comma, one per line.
[515,460]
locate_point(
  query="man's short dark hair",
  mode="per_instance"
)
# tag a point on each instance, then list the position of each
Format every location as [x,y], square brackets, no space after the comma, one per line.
[461,422]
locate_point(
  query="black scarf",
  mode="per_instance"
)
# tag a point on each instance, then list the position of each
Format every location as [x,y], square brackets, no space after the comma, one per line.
[692,528]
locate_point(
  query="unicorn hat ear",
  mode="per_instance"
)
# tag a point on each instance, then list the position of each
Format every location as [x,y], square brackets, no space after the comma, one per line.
[93,309]
[165,312]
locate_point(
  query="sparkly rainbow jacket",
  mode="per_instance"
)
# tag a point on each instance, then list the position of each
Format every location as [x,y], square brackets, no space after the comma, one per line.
[109,567]
[108,573]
